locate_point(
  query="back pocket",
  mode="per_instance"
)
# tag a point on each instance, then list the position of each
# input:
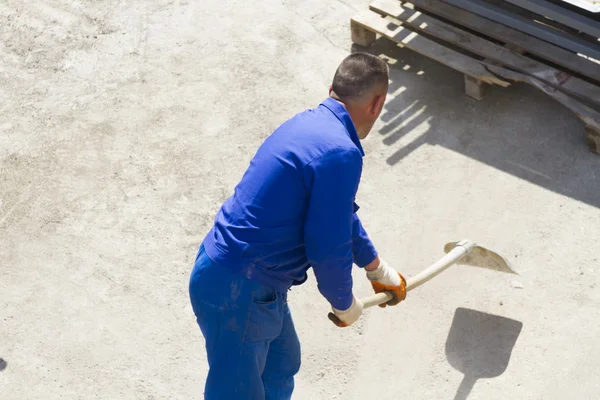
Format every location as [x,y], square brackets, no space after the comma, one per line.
[266,316]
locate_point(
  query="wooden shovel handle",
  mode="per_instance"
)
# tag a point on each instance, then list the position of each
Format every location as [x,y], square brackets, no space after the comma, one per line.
[461,249]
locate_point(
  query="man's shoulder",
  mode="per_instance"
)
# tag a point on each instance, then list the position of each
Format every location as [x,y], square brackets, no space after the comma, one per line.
[336,156]
[309,119]
[315,129]
[314,136]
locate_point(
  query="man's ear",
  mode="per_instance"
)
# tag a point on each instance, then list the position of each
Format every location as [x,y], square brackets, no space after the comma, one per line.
[376,105]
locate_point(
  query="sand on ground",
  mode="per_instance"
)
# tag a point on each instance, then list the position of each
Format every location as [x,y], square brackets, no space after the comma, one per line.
[125,124]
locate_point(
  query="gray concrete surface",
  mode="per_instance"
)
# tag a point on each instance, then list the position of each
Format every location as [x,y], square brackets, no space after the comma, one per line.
[125,124]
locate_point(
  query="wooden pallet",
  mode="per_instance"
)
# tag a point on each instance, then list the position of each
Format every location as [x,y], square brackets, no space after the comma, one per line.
[490,53]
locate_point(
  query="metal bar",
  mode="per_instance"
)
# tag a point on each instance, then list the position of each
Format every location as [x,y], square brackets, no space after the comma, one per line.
[531,44]
[430,25]
[497,14]
[560,14]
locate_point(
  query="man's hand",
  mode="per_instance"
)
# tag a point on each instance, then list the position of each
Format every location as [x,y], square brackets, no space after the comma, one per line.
[348,317]
[386,279]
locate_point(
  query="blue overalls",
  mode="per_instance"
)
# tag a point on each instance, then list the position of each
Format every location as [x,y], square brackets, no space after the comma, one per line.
[293,209]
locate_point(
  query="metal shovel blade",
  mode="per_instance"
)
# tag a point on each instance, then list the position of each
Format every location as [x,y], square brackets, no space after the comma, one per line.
[483,258]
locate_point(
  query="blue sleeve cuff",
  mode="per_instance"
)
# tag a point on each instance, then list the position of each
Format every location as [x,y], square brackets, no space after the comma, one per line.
[366,257]
[341,303]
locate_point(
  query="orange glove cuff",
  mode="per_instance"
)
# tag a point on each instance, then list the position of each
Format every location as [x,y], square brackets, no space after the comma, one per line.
[399,292]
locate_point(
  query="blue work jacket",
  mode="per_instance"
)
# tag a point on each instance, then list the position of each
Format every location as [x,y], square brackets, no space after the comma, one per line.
[295,208]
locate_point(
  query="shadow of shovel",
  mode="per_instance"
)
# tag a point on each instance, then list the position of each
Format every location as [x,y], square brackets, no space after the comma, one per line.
[480,345]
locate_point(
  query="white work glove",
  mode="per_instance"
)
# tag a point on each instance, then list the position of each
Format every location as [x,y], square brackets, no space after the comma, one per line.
[386,279]
[347,317]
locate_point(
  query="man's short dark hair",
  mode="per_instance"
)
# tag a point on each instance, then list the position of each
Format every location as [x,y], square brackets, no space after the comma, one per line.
[358,74]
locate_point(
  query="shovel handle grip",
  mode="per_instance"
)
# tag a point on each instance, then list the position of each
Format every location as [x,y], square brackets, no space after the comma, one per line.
[369,301]
[332,317]
[461,249]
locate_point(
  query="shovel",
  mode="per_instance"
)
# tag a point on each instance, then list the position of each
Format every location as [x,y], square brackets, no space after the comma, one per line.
[465,251]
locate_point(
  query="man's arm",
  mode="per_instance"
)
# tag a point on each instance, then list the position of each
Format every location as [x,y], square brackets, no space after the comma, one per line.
[382,276]
[363,251]
[333,180]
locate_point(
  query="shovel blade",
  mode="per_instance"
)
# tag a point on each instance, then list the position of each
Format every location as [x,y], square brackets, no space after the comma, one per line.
[483,258]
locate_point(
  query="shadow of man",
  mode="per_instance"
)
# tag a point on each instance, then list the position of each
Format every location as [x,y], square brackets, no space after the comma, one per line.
[2,364]
[480,345]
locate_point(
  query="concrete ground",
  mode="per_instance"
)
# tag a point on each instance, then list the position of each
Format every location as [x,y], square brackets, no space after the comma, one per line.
[125,124]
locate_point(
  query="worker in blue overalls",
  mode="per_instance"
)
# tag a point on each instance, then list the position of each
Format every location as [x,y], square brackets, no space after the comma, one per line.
[293,209]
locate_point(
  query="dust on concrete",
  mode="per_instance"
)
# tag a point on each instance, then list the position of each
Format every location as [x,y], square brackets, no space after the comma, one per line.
[124,125]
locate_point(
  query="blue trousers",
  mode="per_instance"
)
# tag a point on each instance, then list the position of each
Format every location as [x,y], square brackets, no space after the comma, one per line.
[252,347]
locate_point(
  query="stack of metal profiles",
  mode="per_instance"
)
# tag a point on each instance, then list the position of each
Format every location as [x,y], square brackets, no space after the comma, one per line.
[553,45]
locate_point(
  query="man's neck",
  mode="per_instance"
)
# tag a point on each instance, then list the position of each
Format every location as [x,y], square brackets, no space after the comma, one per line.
[347,107]
[336,98]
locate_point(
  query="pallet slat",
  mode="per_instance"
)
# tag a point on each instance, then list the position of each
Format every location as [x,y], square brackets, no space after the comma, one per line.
[506,34]
[427,47]
[478,45]
[520,23]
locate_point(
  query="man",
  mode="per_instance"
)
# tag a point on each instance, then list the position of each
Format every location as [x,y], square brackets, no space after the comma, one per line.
[293,209]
